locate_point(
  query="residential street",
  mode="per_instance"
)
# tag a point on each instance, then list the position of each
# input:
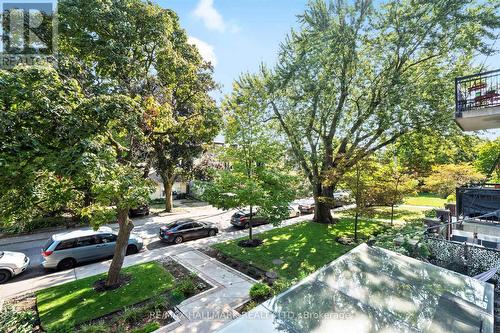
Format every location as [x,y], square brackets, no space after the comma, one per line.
[145,227]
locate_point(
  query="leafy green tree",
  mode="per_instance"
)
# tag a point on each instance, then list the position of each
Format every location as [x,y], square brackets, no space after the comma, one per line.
[355,77]
[256,177]
[420,151]
[392,184]
[137,50]
[488,159]
[445,178]
[195,119]
[359,181]
[40,133]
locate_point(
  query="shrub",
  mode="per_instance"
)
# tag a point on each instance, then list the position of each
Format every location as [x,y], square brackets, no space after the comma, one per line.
[12,320]
[149,327]
[94,328]
[133,315]
[186,286]
[64,327]
[260,291]
[280,285]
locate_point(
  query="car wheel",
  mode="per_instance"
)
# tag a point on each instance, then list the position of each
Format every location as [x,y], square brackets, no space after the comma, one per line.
[131,249]
[246,226]
[66,264]
[212,233]
[178,240]
[297,214]
[5,275]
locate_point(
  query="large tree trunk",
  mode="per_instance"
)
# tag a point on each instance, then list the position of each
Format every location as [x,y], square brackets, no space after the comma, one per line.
[126,227]
[322,208]
[168,185]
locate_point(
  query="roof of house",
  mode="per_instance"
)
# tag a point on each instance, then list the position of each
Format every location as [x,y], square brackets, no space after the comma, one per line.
[371,289]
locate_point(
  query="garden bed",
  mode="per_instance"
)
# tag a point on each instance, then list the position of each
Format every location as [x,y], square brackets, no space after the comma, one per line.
[143,304]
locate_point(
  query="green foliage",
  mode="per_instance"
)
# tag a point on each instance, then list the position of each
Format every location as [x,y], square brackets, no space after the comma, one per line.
[400,239]
[420,151]
[488,159]
[62,327]
[14,321]
[186,286]
[149,327]
[260,292]
[100,327]
[342,91]
[444,179]
[280,285]
[303,247]
[132,315]
[257,177]
[40,110]
[77,301]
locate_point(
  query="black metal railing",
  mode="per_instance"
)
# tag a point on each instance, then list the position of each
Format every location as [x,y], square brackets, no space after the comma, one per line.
[477,91]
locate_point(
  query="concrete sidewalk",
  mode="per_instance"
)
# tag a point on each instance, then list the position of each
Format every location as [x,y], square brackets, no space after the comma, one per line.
[210,310]
[12,289]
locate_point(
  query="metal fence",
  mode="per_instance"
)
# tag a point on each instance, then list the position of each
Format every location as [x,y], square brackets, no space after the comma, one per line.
[477,91]
[468,259]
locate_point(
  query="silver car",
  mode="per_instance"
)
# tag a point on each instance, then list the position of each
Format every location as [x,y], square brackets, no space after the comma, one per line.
[65,250]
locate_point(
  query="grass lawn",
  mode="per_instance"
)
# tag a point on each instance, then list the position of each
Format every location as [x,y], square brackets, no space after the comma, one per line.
[402,214]
[303,247]
[78,302]
[425,199]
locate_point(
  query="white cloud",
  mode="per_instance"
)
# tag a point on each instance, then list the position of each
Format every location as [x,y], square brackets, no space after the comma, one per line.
[206,50]
[212,19]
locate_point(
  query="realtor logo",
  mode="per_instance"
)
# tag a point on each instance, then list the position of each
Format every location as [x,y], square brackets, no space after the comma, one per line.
[28,32]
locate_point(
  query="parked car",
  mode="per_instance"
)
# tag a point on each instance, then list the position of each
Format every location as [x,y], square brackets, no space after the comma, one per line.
[294,211]
[241,219]
[12,264]
[342,198]
[307,206]
[185,229]
[66,250]
[142,210]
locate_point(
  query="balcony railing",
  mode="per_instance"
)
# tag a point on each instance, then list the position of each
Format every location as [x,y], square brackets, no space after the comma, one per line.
[477,91]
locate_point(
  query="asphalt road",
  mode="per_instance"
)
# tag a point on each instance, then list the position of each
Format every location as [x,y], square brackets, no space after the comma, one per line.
[147,228]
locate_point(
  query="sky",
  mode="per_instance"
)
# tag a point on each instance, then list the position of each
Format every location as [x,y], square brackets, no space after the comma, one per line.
[238,35]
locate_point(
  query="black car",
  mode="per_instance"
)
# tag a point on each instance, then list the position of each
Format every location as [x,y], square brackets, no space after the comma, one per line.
[139,211]
[181,230]
[241,219]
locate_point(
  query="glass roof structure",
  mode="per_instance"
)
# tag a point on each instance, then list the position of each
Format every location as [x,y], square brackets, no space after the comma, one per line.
[371,289]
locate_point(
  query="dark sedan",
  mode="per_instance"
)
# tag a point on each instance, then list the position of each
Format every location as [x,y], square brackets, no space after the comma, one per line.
[182,230]
[139,211]
[241,219]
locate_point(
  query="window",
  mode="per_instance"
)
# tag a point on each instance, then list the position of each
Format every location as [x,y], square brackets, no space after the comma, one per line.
[106,238]
[86,241]
[48,244]
[197,225]
[186,226]
[66,244]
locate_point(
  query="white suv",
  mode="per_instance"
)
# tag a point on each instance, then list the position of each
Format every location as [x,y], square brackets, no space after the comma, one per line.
[12,264]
